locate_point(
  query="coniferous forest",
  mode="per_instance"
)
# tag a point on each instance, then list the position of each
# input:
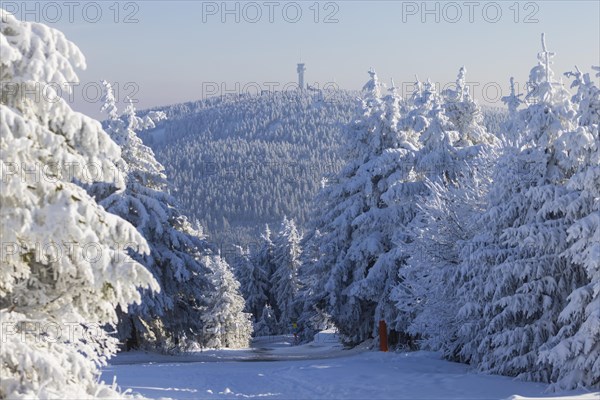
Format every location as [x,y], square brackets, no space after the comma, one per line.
[472,232]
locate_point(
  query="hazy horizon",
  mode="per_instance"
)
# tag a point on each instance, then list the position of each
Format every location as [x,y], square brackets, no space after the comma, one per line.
[242,47]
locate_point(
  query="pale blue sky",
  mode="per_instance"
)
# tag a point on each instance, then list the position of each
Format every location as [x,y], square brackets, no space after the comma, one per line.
[171,53]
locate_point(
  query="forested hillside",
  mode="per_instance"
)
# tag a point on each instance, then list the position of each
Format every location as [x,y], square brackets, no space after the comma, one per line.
[238,163]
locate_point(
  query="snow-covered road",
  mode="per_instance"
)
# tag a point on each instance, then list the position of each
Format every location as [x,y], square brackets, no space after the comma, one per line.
[319,370]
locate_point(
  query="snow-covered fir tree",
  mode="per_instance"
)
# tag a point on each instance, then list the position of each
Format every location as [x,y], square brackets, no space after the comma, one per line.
[356,220]
[480,248]
[575,349]
[465,114]
[267,325]
[388,175]
[338,204]
[284,280]
[452,168]
[511,133]
[254,285]
[527,281]
[66,267]
[225,324]
[263,259]
[311,304]
[148,206]
[432,281]
[172,319]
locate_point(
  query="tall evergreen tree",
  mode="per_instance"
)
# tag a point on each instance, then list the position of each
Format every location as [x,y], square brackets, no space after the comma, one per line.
[340,202]
[253,280]
[82,272]
[574,352]
[263,259]
[224,321]
[267,324]
[310,301]
[173,319]
[452,167]
[388,172]
[284,281]
[526,282]
[357,218]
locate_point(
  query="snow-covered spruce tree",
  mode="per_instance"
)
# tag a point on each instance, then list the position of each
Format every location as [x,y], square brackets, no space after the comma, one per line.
[373,86]
[225,324]
[454,170]
[465,115]
[355,222]
[337,205]
[317,259]
[480,249]
[64,267]
[526,281]
[423,109]
[511,131]
[172,319]
[432,280]
[284,281]
[447,173]
[267,324]
[390,188]
[263,258]
[574,352]
[310,300]
[253,282]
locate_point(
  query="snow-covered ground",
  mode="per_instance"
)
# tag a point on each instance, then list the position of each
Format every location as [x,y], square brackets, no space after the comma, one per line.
[275,369]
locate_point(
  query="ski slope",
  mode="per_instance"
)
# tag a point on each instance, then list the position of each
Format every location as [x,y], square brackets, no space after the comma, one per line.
[274,369]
